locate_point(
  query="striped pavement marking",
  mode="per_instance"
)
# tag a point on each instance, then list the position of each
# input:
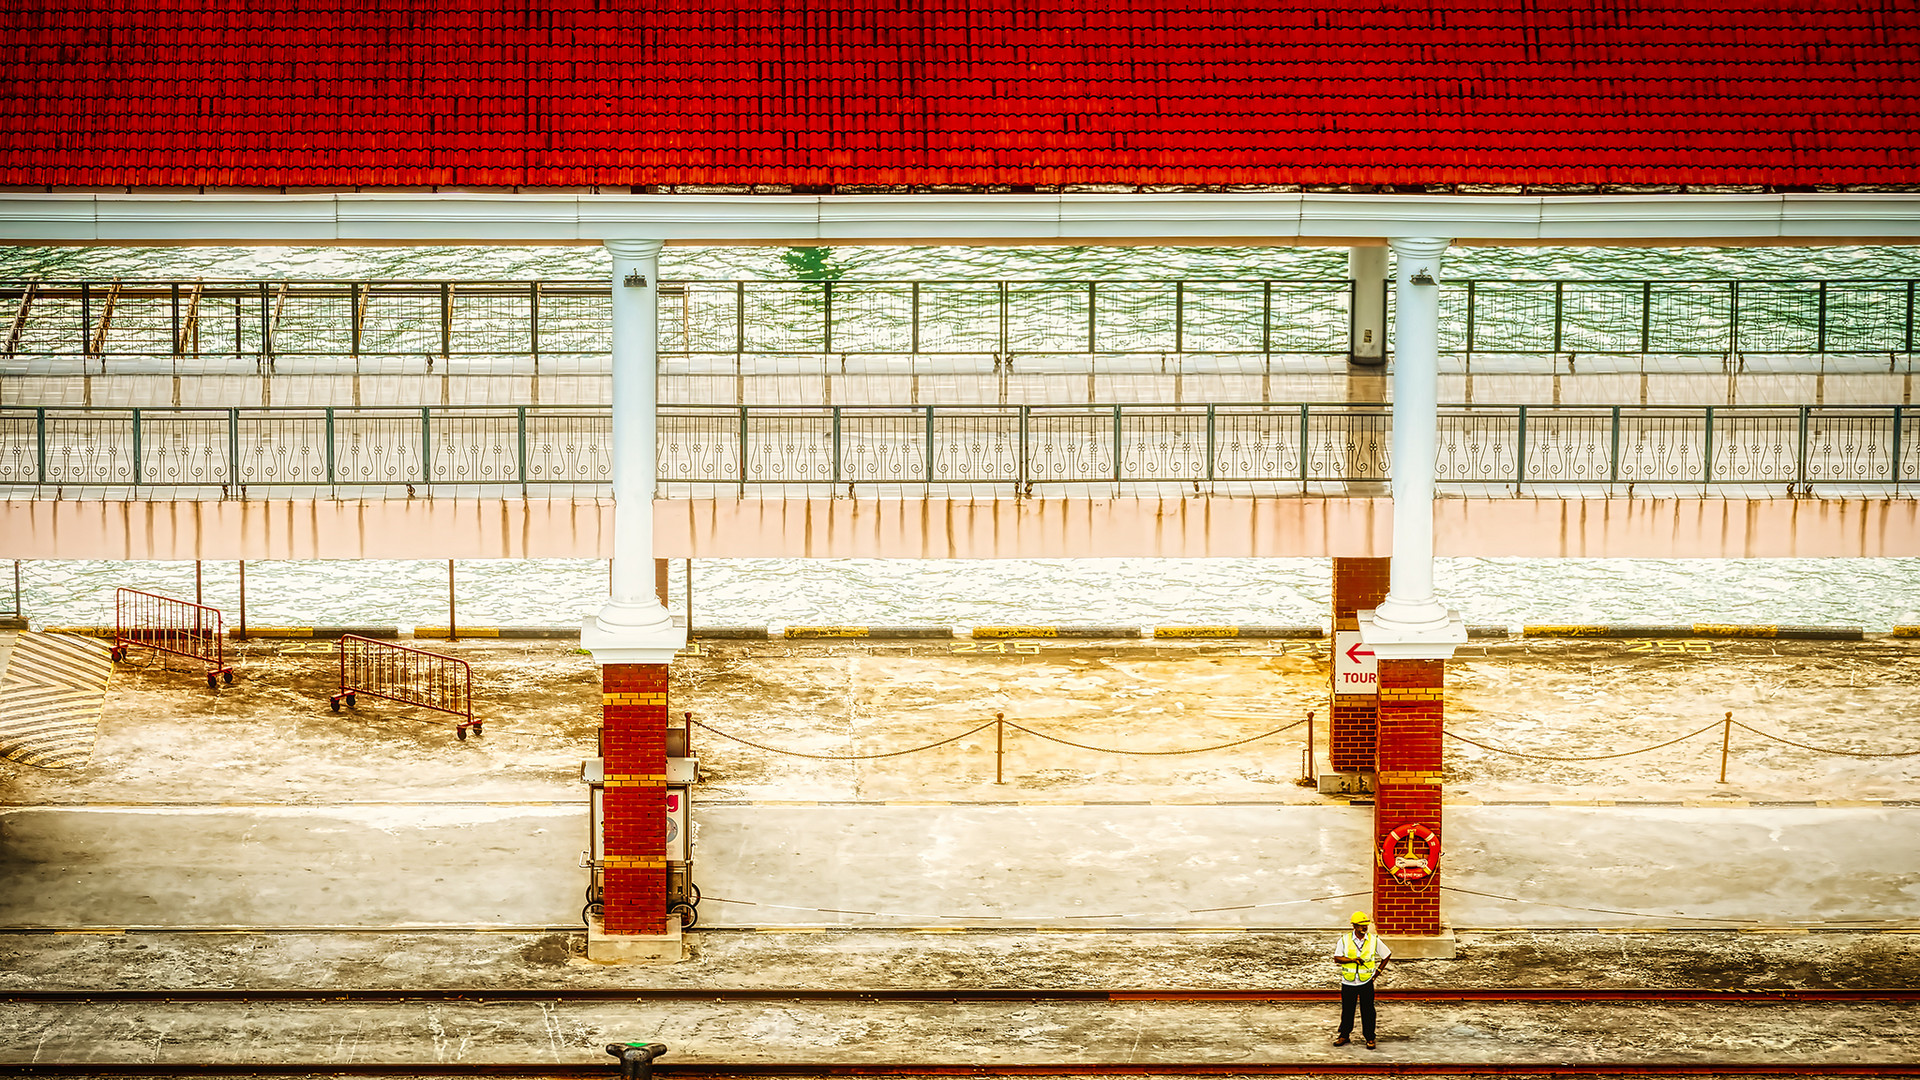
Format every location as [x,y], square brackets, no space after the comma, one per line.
[51,698]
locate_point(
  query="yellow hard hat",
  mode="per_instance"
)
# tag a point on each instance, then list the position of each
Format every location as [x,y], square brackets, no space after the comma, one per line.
[1360,917]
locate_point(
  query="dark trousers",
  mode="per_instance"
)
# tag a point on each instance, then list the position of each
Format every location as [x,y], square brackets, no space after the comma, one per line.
[1363,996]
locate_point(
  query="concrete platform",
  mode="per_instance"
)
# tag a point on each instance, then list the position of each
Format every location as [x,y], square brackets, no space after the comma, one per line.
[318,850]
[1090,1036]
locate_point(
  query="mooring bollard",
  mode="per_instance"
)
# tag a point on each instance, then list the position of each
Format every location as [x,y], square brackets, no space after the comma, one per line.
[636,1058]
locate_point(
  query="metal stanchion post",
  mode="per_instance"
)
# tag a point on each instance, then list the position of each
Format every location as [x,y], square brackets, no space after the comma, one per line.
[1726,736]
[999,747]
[452,632]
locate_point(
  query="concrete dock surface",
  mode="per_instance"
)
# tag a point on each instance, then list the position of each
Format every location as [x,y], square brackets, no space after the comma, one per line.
[250,837]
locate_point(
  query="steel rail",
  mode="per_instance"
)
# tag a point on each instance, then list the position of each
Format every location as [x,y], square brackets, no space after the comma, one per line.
[719,1070]
[1550,994]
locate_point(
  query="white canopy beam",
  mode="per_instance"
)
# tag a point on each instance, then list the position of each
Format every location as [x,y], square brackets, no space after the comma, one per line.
[172,219]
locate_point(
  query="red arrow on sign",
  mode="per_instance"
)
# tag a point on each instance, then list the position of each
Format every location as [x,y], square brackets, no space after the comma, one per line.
[1355,652]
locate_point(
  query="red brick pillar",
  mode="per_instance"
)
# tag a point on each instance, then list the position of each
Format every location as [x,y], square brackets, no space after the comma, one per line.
[1358,585]
[633,748]
[1407,788]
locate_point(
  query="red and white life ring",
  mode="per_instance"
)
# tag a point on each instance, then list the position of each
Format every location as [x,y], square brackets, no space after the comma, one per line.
[1399,853]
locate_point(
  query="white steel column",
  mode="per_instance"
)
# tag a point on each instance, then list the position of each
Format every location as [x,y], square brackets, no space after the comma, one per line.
[1411,614]
[633,618]
[1367,346]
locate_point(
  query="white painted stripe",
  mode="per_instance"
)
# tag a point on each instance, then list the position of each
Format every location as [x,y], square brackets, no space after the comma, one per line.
[52,699]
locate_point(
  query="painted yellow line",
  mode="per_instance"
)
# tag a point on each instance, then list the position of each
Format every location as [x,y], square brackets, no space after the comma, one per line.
[1196,631]
[826,631]
[1016,631]
[1733,631]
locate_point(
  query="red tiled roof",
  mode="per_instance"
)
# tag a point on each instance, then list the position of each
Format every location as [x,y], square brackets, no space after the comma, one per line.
[273,93]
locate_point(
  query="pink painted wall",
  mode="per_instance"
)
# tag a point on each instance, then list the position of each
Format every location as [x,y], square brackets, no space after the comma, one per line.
[955,529]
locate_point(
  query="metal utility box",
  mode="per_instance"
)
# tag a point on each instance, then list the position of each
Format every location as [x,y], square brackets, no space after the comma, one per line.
[683,895]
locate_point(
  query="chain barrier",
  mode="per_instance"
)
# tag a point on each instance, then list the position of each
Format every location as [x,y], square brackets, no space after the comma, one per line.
[1822,749]
[1726,724]
[1154,753]
[1032,919]
[1036,918]
[1000,724]
[1596,757]
[842,757]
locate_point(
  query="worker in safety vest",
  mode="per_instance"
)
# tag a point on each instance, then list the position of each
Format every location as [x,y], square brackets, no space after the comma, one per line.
[1362,956]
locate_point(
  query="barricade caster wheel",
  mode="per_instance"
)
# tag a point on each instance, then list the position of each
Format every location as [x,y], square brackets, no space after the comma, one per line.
[227,677]
[213,681]
[688,916]
[335,703]
[350,703]
[588,913]
[116,655]
[461,733]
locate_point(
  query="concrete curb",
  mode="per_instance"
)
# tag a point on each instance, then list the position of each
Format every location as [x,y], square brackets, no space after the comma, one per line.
[1171,632]
[498,632]
[1699,630]
[315,632]
[1055,632]
[793,632]
[763,633]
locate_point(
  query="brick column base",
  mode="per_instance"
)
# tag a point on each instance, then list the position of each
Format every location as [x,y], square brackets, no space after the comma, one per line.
[1358,585]
[1407,789]
[633,836]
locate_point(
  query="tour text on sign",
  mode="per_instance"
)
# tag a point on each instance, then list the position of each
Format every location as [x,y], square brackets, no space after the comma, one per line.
[1355,671]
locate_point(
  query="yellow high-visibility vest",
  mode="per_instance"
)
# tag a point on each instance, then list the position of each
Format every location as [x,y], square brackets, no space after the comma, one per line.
[1359,965]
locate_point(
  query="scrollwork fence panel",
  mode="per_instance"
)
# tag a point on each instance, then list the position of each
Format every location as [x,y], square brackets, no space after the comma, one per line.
[1660,447]
[289,448]
[1068,444]
[89,448]
[378,447]
[976,446]
[1478,446]
[1163,444]
[883,446]
[1569,446]
[1256,443]
[569,446]
[184,449]
[790,446]
[1756,446]
[1349,444]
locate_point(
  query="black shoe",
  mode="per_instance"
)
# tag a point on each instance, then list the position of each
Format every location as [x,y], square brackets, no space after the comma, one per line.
[1370,1045]
[1341,1040]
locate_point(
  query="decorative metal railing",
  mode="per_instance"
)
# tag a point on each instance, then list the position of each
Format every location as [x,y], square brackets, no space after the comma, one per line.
[264,322]
[1018,449]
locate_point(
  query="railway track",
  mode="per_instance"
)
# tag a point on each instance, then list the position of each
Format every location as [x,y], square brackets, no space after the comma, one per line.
[665,1071]
[1566,995]
[254,1034]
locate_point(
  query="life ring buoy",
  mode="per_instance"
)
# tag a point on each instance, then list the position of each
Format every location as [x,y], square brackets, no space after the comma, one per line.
[1400,853]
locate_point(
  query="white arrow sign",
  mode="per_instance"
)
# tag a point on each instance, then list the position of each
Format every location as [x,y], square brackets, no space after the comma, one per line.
[1355,670]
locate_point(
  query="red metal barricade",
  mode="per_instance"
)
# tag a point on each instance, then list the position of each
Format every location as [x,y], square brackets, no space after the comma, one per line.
[408,676]
[179,627]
